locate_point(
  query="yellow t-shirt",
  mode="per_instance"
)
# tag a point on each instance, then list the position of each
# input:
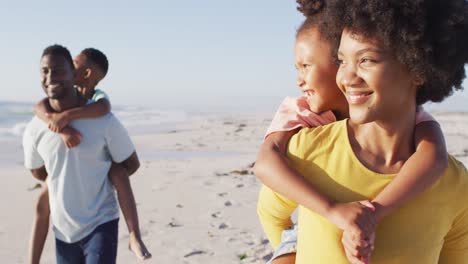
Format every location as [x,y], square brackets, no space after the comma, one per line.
[432,228]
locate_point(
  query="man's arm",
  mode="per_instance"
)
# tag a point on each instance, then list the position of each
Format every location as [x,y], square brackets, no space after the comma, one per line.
[130,165]
[39,173]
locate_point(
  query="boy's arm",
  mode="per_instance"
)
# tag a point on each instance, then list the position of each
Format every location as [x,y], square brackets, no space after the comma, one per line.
[42,110]
[93,110]
[419,172]
[59,120]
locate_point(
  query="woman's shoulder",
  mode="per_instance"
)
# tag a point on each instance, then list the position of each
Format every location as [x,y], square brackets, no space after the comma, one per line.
[332,130]
[321,137]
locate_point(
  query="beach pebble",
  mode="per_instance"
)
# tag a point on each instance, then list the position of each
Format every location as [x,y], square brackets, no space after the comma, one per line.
[223,226]
[216,215]
[174,223]
[228,203]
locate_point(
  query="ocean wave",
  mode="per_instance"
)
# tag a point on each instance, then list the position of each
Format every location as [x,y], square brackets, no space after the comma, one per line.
[15,116]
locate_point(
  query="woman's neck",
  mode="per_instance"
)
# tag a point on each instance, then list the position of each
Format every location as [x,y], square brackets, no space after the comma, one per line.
[383,146]
[341,112]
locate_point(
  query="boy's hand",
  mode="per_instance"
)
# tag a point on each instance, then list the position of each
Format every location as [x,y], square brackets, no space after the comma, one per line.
[71,137]
[357,251]
[355,217]
[57,121]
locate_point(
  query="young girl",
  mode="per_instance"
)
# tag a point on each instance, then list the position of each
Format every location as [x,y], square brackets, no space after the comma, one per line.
[321,104]
[90,68]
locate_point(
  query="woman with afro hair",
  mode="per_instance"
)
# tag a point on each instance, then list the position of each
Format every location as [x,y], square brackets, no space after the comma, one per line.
[393,56]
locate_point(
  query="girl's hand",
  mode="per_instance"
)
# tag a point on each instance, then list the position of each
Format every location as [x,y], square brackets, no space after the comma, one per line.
[357,251]
[355,217]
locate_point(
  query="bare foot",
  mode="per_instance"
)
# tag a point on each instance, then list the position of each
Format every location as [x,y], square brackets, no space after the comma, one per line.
[138,247]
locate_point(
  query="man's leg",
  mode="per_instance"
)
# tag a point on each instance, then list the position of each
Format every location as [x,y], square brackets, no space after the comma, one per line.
[68,253]
[101,245]
[40,227]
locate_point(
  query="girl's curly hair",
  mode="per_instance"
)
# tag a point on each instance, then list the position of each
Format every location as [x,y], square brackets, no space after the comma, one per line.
[313,11]
[429,36]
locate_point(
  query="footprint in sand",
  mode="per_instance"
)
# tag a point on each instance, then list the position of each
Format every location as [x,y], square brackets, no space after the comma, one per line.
[216,215]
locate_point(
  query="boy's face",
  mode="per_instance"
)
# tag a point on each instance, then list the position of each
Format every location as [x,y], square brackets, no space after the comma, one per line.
[57,76]
[81,64]
[316,72]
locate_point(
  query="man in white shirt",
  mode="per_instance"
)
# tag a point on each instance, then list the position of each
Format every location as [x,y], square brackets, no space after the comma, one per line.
[83,204]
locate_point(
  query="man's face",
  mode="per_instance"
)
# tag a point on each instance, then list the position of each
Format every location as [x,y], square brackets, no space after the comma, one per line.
[57,76]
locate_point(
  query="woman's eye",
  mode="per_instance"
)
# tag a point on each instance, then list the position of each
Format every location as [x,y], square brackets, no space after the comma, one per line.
[367,60]
[339,61]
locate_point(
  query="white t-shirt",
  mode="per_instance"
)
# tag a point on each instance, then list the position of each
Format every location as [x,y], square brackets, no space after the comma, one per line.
[80,194]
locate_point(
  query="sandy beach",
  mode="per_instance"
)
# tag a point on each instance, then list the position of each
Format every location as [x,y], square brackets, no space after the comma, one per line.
[195,191]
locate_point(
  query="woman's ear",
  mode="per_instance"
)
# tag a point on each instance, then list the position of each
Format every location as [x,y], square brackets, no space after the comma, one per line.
[418,80]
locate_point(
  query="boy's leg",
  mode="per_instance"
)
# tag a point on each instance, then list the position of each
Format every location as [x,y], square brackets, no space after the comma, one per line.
[101,245]
[40,227]
[127,203]
[67,253]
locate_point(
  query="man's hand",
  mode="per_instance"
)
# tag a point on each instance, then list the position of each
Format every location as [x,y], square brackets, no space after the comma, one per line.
[57,121]
[355,217]
[357,250]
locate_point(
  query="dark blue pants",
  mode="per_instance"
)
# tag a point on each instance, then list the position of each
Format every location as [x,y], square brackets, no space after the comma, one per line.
[98,247]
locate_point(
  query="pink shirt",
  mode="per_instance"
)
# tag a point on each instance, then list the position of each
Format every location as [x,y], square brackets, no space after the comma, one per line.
[294,112]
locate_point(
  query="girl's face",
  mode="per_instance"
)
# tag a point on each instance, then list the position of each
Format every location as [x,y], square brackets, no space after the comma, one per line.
[316,72]
[376,85]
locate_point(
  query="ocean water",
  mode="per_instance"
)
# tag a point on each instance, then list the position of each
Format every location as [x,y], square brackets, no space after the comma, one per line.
[15,115]
[146,119]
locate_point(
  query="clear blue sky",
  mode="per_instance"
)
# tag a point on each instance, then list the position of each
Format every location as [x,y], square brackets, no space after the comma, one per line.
[162,53]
